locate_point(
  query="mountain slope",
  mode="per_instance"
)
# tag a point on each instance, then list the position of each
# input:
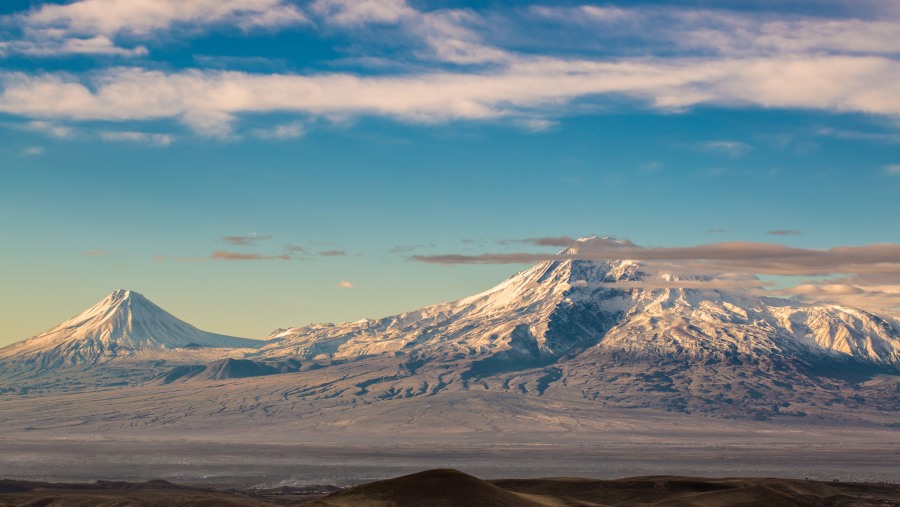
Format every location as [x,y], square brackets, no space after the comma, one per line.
[123,324]
[622,333]
[618,333]
[558,307]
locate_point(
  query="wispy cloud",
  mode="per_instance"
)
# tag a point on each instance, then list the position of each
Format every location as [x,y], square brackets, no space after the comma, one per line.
[784,232]
[361,12]
[869,274]
[733,257]
[31,151]
[333,253]
[729,32]
[345,285]
[561,241]
[96,253]
[51,129]
[246,240]
[715,231]
[730,148]
[846,295]
[91,26]
[292,130]
[149,138]
[459,68]
[209,101]
[221,255]
[49,43]
[878,137]
[892,169]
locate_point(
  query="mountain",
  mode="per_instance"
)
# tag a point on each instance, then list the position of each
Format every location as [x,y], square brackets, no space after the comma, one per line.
[617,334]
[560,307]
[124,324]
[623,333]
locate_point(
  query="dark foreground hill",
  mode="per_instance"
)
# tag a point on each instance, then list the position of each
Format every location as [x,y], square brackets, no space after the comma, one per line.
[451,488]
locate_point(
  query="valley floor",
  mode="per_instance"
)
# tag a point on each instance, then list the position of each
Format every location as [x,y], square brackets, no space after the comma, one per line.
[248,465]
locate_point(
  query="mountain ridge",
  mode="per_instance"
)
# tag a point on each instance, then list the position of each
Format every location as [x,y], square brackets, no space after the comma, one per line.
[123,324]
[621,333]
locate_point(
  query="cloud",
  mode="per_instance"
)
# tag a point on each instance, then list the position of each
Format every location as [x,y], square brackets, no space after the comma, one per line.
[552,241]
[732,32]
[291,252]
[159,258]
[345,285]
[879,137]
[361,12]
[892,169]
[285,131]
[152,139]
[557,241]
[51,129]
[333,253]
[143,17]
[47,45]
[462,64]
[209,100]
[447,35]
[715,231]
[220,255]
[845,294]
[30,151]
[784,232]
[91,26]
[96,253]
[730,148]
[249,239]
[869,274]
[731,257]
[294,249]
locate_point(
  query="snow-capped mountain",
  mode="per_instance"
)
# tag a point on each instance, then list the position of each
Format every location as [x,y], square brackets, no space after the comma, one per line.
[561,307]
[123,324]
[621,333]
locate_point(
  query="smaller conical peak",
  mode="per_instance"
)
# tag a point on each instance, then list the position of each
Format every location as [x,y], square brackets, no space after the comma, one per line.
[123,294]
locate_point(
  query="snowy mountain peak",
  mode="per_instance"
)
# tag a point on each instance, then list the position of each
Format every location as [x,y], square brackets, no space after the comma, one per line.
[586,244]
[583,301]
[124,323]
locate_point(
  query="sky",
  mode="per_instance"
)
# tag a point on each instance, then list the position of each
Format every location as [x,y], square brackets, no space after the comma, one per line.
[255,164]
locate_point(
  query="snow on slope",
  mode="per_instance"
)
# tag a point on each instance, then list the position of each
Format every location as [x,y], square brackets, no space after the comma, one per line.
[566,306]
[123,324]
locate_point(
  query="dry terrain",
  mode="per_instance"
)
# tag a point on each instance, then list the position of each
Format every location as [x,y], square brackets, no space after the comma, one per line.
[450,488]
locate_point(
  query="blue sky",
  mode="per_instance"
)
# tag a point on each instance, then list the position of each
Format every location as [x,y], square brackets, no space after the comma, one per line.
[250,164]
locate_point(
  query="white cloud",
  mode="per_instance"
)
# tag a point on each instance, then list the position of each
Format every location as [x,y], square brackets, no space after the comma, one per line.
[732,32]
[152,139]
[361,12]
[31,151]
[445,33]
[142,17]
[529,89]
[52,129]
[893,169]
[90,26]
[884,298]
[284,131]
[46,46]
[731,148]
